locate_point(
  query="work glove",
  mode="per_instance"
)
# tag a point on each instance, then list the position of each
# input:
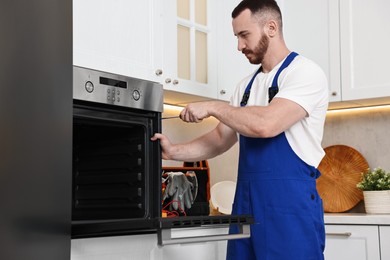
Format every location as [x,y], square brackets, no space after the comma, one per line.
[180,189]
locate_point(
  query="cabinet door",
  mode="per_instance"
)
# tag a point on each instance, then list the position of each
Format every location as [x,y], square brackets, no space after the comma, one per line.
[352,242]
[121,36]
[233,66]
[190,47]
[205,251]
[211,250]
[116,247]
[145,247]
[315,35]
[384,232]
[365,41]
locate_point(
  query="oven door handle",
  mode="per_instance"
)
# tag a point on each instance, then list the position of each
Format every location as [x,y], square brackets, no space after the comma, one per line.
[165,236]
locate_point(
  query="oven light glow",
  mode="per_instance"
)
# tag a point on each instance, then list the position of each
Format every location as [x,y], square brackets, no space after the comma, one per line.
[172,108]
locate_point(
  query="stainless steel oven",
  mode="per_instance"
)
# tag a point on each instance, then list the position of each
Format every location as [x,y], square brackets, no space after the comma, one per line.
[116,168]
[116,185]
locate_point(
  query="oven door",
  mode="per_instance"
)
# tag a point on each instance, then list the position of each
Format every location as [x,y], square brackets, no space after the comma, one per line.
[116,180]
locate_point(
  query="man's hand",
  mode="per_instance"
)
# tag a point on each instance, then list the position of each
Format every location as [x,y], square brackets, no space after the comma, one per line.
[165,144]
[195,112]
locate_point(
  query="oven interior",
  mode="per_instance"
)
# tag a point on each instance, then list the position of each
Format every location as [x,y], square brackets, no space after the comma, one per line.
[112,167]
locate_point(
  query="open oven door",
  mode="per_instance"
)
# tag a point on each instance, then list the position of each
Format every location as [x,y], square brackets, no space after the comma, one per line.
[196,229]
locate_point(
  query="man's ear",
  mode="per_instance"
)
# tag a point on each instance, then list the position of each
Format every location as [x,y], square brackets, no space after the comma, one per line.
[271,28]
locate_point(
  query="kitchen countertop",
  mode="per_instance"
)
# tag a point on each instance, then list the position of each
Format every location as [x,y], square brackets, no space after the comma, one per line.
[357,219]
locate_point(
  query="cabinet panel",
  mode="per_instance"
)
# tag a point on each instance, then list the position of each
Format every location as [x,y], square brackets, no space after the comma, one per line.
[189,39]
[119,247]
[119,36]
[233,66]
[352,51]
[352,242]
[365,41]
[385,242]
[204,251]
[315,35]
[144,247]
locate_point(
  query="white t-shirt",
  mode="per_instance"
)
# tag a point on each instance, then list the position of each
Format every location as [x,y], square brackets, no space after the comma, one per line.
[305,83]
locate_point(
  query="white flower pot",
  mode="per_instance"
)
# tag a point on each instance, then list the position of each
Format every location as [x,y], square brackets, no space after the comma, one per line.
[377,201]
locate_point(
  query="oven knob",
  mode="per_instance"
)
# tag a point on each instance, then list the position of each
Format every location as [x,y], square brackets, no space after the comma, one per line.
[136,95]
[89,86]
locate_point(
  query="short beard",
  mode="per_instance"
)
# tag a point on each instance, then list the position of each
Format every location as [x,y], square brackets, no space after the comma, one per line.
[259,51]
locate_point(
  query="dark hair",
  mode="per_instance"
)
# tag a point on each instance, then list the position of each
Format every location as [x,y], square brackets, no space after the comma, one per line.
[259,6]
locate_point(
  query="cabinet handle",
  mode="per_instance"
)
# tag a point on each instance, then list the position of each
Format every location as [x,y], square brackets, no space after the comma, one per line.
[168,80]
[222,92]
[175,82]
[159,72]
[334,93]
[341,234]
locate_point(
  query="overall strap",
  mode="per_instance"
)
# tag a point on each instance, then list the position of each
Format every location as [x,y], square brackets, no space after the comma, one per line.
[273,90]
[247,92]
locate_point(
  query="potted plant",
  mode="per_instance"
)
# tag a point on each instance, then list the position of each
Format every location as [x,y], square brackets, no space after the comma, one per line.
[375,185]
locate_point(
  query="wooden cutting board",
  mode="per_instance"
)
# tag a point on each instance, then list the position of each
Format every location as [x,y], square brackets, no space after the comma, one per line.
[341,169]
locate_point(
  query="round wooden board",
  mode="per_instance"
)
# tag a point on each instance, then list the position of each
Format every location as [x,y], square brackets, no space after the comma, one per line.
[341,169]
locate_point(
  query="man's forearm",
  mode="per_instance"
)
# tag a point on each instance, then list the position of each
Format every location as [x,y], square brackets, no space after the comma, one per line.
[205,147]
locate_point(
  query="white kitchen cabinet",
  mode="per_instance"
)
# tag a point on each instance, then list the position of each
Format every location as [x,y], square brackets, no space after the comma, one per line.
[197,251]
[384,232]
[337,35]
[135,247]
[233,66]
[316,40]
[357,242]
[315,35]
[121,36]
[145,247]
[364,41]
[189,55]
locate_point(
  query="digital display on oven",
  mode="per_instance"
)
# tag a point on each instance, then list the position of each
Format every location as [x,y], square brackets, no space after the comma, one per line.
[113,82]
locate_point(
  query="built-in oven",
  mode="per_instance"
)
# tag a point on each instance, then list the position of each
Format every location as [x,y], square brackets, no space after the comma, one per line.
[117,173]
[116,168]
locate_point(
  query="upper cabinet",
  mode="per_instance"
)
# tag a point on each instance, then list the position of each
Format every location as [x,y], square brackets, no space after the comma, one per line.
[168,41]
[233,66]
[347,38]
[200,49]
[189,45]
[189,55]
[364,48]
[120,36]
[315,36]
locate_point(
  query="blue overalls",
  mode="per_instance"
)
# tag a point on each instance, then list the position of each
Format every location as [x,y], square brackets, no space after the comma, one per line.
[279,189]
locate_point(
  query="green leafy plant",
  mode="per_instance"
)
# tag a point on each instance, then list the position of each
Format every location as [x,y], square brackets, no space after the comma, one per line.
[376,179]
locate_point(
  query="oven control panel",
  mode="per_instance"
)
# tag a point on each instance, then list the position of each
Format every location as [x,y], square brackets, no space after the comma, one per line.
[103,87]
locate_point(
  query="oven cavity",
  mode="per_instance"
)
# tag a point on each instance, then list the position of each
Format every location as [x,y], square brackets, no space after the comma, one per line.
[109,170]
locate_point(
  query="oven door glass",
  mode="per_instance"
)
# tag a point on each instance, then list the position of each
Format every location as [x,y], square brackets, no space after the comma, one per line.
[112,166]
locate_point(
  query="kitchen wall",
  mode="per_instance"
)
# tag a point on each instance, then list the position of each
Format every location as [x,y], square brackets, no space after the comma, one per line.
[223,167]
[366,130]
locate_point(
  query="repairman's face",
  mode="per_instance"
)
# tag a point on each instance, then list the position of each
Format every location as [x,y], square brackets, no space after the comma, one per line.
[252,41]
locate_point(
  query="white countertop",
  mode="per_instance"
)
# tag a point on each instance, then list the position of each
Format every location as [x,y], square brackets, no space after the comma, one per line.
[357,218]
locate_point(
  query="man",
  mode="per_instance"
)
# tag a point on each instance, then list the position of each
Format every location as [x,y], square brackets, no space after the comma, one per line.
[279,130]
